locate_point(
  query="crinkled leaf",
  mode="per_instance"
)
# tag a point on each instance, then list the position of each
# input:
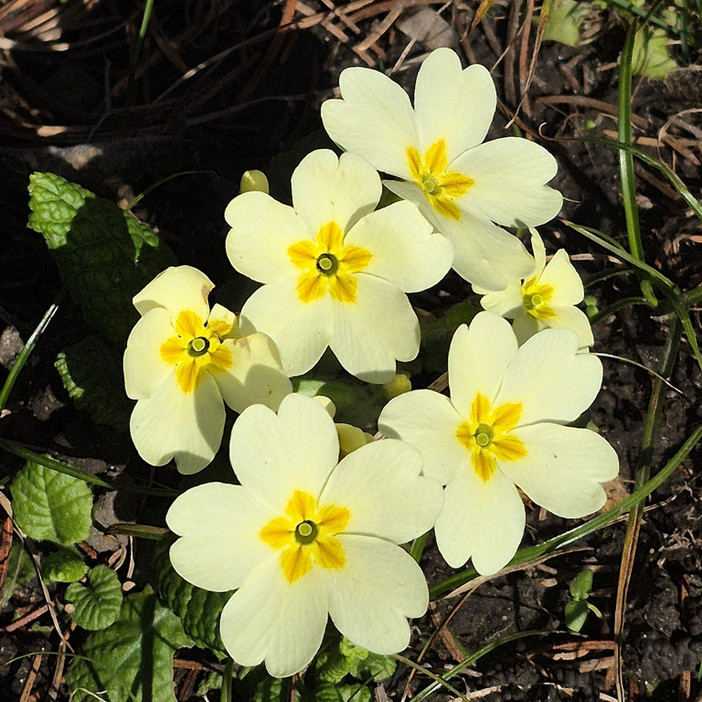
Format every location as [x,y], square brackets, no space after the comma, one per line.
[54,203]
[363,664]
[329,692]
[98,603]
[65,565]
[50,505]
[91,372]
[346,658]
[105,256]
[257,686]
[650,55]
[198,609]
[332,665]
[132,660]
[565,21]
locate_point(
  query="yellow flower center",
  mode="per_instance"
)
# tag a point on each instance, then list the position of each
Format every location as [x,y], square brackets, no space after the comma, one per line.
[487,436]
[328,265]
[440,186]
[536,297]
[307,535]
[196,348]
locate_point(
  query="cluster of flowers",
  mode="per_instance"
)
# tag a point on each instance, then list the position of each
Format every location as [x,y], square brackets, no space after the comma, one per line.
[304,536]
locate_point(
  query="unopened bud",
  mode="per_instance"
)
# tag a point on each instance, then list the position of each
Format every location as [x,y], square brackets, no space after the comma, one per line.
[399,385]
[253,181]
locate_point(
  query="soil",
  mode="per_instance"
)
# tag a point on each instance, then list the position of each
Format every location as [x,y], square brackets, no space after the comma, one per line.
[227,86]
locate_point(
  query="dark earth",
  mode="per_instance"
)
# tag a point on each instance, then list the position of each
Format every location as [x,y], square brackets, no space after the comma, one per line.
[223,86]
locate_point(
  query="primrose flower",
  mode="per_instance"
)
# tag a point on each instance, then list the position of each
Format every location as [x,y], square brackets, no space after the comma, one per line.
[545,298]
[335,273]
[462,186]
[183,362]
[501,429]
[304,537]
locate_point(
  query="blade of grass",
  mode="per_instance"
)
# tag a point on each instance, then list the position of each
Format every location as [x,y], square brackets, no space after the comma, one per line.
[475,657]
[61,467]
[524,555]
[25,353]
[626,160]
[651,428]
[628,6]
[656,163]
[677,299]
[439,681]
[620,304]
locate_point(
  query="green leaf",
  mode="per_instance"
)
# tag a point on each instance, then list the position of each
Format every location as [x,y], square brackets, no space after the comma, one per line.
[54,202]
[576,614]
[98,604]
[91,372]
[329,692]
[132,660]
[50,505]
[331,665]
[565,21]
[581,585]
[650,56]
[65,565]
[347,658]
[105,256]
[198,609]
[363,664]
[255,685]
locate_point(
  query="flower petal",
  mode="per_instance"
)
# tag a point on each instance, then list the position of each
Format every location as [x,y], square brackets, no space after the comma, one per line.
[375,330]
[563,468]
[381,486]
[483,253]
[374,120]
[428,421]
[402,246]
[144,368]
[506,303]
[262,230]
[256,374]
[371,597]
[550,379]
[561,275]
[208,516]
[268,619]
[453,103]
[509,176]
[177,288]
[274,455]
[173,424]
[326,189]
[575,319]
[478,357]
[480,519]
[300,330]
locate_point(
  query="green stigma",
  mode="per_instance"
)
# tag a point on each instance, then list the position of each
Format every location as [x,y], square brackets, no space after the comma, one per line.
[198,346]
[327,264]
[531,302]
[484,435]
[305,532]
